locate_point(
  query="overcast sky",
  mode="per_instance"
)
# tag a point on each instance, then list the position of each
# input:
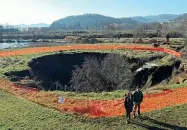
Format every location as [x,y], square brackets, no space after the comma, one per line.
[47,11]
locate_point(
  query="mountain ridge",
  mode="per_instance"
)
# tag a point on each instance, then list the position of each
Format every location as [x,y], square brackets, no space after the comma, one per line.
[156,18]
[98,21]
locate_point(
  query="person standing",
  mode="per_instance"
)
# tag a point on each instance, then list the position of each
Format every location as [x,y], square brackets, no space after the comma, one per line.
[137,100]
[128,104]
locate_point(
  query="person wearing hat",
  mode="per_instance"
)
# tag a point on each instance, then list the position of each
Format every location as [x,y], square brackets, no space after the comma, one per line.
[128,104]
[137,100]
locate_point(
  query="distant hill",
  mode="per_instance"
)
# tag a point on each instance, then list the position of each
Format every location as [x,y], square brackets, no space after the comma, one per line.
[93,21]
[100,22]
[141,19]
[156,18]
[34,25]
[181,18]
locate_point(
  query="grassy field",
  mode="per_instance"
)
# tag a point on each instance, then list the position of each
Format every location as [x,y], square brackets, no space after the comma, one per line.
[19,114]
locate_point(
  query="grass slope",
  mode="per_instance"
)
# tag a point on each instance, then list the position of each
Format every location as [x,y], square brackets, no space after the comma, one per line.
[19,114]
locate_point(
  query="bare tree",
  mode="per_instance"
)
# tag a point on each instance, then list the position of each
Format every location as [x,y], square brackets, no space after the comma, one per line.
[44,30]
[12,31]
[96,75]
[183,28]
[158,28]
[17,33]
[139,32]
[7,30]
[110,31]
[86,78]
[165,31]
[1,33]
[33,31]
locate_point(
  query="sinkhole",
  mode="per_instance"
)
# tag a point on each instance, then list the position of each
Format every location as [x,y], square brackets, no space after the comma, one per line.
[90,72]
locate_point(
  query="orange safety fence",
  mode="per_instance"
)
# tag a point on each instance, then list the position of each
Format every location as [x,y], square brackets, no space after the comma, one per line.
[112,108]
[99,108]
[37,50]
[169,51]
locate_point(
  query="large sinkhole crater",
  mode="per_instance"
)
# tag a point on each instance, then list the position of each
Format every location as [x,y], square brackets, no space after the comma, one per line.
[91,72]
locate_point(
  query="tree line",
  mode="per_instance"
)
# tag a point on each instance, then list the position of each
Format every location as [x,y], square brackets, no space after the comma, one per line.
[143,30]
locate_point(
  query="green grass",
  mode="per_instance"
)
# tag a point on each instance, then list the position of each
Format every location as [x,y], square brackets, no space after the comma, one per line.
[116,94]
[169,86]
[168,60]
[19,114]
[92,95]
[16,63]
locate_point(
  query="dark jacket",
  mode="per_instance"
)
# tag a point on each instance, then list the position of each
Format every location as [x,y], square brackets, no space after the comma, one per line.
[128,104]
[137,97]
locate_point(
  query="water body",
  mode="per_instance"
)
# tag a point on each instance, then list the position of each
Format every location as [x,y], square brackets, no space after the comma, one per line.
[13,45]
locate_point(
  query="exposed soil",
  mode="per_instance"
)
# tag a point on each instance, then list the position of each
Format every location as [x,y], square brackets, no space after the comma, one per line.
[156,75]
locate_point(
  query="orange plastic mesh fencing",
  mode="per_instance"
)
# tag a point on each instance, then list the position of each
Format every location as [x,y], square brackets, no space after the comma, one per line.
[115,107]
[36,50]
[97,108]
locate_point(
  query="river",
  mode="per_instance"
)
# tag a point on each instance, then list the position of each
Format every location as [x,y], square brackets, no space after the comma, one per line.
[13,45]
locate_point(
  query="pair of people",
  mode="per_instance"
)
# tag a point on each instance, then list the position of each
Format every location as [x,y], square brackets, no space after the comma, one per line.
[132,102]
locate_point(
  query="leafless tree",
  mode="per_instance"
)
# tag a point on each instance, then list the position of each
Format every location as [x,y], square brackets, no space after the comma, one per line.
[110,30]
[139,33]
[96,75]
[1,33]
[12,31]
[183,28]
[33,31]
[158,28]
[44,31]
[165,31]
[7,31]
[17,33]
